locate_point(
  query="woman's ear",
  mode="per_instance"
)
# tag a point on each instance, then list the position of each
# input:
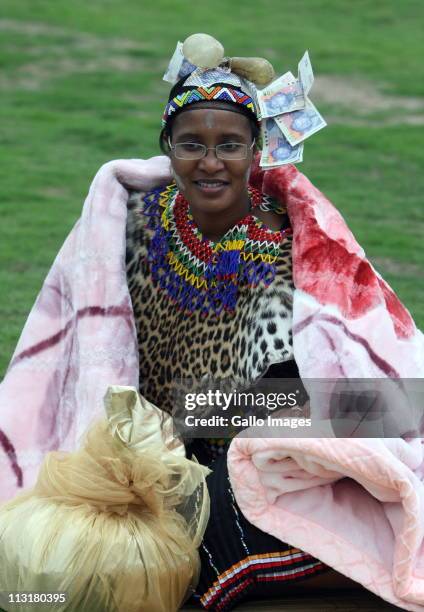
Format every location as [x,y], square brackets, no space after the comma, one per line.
[164,140]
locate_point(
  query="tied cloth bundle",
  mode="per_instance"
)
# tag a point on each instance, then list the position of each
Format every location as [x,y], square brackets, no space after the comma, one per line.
[115,524]
[282,106]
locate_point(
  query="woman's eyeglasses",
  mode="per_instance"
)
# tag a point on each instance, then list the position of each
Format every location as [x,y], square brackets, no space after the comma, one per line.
[195,150]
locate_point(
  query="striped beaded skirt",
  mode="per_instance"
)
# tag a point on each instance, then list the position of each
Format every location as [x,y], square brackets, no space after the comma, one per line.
[238,561]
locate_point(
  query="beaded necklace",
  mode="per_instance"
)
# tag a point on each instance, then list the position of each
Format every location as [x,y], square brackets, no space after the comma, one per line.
[198,273]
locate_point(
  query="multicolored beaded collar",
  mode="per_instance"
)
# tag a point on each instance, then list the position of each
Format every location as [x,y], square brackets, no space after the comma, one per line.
[197,273]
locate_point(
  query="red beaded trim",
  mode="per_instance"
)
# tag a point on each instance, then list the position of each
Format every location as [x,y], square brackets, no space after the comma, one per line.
[186,230]
[201,248]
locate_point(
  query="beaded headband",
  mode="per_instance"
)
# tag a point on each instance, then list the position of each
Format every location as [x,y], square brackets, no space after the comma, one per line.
[217,93]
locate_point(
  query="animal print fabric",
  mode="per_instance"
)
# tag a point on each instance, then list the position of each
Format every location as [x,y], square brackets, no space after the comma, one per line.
[237,346]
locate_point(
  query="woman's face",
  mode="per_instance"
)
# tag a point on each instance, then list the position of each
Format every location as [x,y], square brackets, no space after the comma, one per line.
[211,184]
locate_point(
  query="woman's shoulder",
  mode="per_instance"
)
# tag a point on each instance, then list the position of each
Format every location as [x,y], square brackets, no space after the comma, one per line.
[271,212]
[144,210]
[145,205]
[276,221]
[142,200]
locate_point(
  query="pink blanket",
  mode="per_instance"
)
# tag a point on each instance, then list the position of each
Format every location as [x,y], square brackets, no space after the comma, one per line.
[80,338]
[356,504]
[80,335]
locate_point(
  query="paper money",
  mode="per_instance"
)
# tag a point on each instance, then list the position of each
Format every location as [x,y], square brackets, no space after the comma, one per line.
[276,150]
[178,66]
[282,96]
[305,74]
[300,124]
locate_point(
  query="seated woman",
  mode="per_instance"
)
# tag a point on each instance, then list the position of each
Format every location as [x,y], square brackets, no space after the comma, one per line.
[209,273]
[210,278]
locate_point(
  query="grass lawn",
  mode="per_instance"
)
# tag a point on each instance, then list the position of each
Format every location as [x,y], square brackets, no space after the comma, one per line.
[81,84]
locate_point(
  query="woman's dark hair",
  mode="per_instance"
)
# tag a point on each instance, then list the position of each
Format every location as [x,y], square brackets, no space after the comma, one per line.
[178,88]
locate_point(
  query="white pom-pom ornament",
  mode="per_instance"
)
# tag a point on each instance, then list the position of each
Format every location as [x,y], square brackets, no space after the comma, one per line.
[203,50]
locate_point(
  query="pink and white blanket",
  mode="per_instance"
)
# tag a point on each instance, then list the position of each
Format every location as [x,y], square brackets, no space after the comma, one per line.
[80,338]
[80,335]
[356,504]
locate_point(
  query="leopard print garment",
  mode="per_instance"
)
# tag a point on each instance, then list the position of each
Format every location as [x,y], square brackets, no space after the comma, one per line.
[239,346]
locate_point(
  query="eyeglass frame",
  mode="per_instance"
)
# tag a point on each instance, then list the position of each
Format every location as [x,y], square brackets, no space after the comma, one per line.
[206,149]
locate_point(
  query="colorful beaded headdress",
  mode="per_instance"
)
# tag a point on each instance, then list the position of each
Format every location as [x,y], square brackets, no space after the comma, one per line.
[200,73]
[216,85]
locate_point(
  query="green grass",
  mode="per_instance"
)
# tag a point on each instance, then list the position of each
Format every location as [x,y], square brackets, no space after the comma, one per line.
[81,84]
